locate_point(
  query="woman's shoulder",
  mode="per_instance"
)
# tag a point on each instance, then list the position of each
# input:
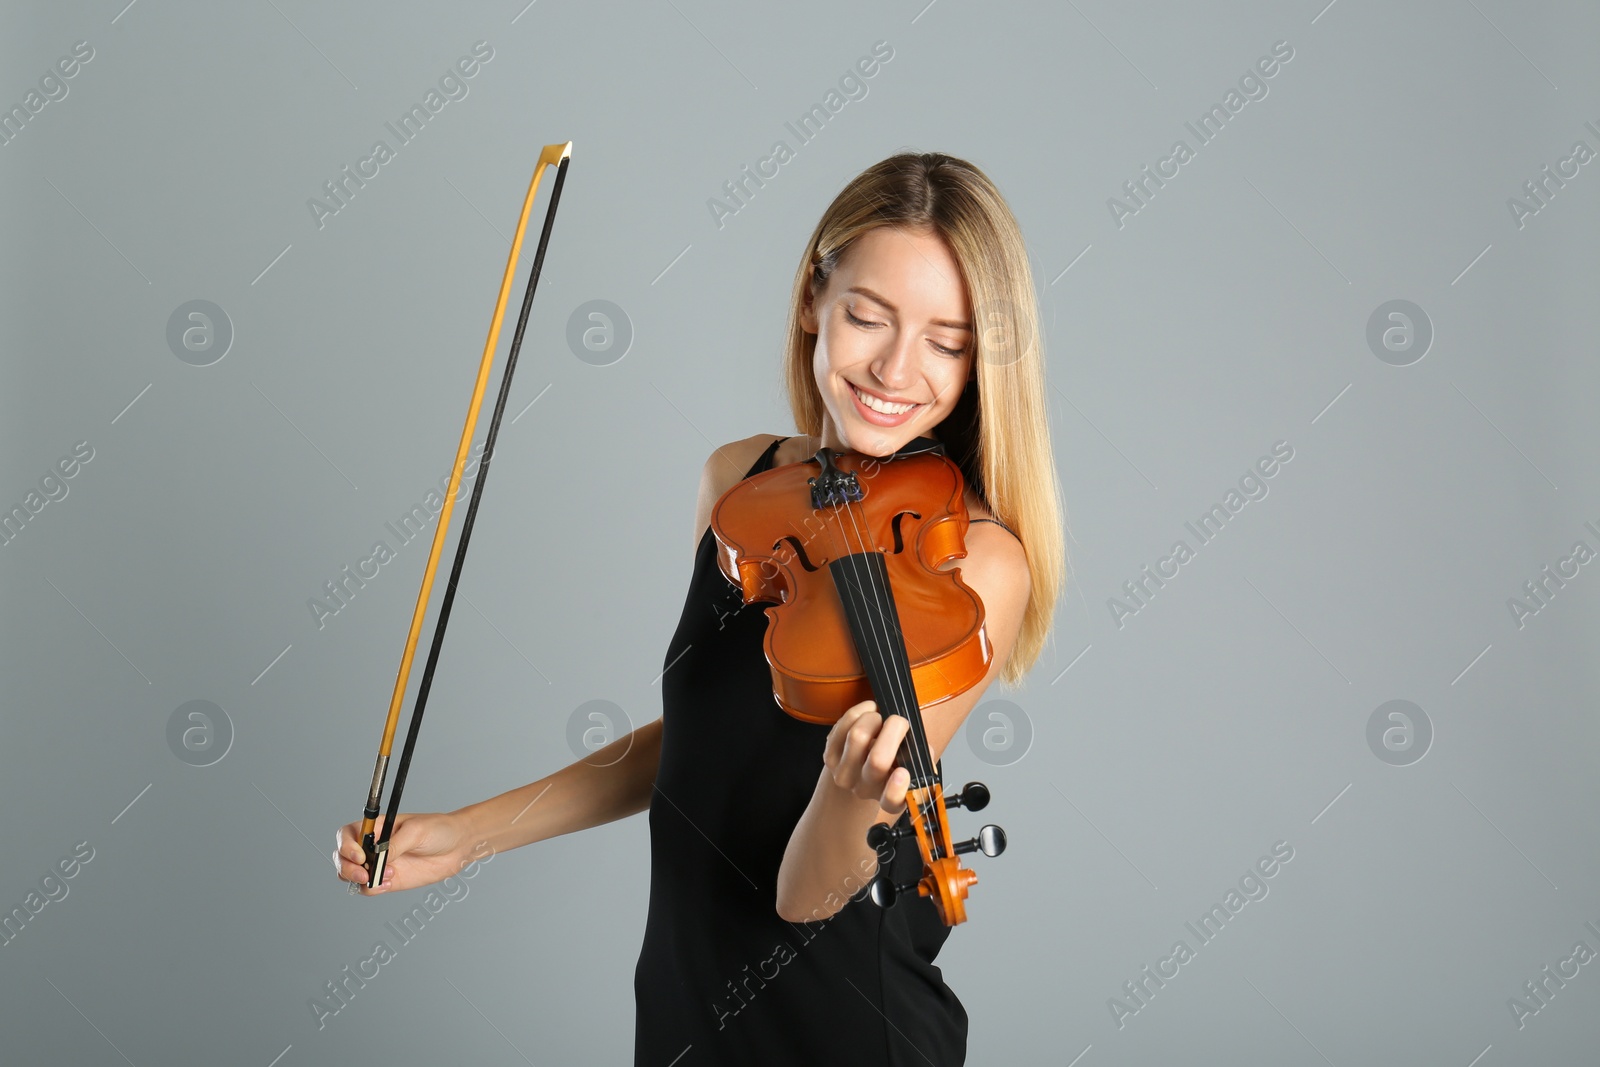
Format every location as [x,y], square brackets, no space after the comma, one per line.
[729,463]
[978,510]
[722,471]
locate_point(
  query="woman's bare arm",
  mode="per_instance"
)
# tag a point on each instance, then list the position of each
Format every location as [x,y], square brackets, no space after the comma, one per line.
[426,847]
[611,783]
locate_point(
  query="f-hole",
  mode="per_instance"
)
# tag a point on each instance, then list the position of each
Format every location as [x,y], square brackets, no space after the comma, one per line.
[899,539]
[799,550]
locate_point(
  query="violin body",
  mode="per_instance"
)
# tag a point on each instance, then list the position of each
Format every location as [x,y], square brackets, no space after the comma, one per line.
[914,514]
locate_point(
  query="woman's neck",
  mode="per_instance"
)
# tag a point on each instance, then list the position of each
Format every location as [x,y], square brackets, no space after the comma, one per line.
[796,449]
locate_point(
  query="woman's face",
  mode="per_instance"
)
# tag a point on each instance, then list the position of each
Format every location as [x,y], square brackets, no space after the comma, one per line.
[893,328]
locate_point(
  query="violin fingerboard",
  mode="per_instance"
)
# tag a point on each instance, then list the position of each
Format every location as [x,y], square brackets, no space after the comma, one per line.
[862,580]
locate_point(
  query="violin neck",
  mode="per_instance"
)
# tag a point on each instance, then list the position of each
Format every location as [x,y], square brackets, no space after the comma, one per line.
[862,580]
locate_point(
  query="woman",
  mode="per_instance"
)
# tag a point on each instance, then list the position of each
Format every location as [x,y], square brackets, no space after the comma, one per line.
[912,315]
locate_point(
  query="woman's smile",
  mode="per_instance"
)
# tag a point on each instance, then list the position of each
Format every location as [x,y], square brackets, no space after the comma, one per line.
[875,409]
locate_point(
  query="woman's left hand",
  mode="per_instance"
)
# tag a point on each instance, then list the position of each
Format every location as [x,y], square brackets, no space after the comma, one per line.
[860,756]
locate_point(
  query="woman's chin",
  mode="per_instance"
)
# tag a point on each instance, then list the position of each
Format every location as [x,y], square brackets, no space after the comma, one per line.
[876,441]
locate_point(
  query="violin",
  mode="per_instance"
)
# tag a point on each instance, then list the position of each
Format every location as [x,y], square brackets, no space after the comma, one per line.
[848,547]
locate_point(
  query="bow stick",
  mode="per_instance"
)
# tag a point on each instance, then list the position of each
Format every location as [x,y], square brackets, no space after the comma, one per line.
[377,853]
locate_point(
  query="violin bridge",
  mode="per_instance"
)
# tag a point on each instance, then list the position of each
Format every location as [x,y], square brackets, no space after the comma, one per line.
[832,487]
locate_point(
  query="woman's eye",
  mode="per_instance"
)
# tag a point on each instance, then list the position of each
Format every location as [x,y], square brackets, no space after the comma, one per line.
[955,353]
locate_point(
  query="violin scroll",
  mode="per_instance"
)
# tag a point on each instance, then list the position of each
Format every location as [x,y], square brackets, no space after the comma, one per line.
[943,879]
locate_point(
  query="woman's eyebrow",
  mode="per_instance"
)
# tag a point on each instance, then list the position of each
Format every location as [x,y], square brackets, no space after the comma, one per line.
[870,295]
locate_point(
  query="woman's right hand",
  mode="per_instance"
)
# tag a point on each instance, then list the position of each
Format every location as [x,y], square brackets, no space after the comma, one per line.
[424,848]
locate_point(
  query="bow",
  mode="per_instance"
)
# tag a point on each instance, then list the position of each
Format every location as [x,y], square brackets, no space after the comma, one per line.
[377,853]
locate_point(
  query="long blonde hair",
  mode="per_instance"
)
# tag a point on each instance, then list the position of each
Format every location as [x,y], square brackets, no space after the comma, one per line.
[999,431]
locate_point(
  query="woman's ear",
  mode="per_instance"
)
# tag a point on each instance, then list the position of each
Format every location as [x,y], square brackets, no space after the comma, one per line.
[808,312]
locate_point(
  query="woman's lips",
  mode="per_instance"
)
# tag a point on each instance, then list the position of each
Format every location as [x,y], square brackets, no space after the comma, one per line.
[878,418]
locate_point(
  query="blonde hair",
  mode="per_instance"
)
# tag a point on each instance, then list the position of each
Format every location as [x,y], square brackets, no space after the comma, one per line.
[999,431]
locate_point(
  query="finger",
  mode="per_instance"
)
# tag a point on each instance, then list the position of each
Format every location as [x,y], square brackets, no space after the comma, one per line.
[834,749]
[886,749]
[349,838]
[893,800]
[345,850]
[857,745]
[865,705]
[408,835]
[348,844]
[358,876]
[877,759]
[839,737]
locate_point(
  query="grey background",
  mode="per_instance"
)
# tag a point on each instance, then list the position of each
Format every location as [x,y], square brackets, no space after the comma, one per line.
[1168,754]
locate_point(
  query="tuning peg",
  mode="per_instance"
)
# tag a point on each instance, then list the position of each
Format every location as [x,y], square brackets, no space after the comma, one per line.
[974,796]
[879,834]
[991,841]
[884,892]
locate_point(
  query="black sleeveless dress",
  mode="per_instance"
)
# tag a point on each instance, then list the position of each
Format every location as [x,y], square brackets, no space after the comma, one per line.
[721,979]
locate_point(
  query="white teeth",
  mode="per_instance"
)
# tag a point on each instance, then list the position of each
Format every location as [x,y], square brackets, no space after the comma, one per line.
[881,406]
